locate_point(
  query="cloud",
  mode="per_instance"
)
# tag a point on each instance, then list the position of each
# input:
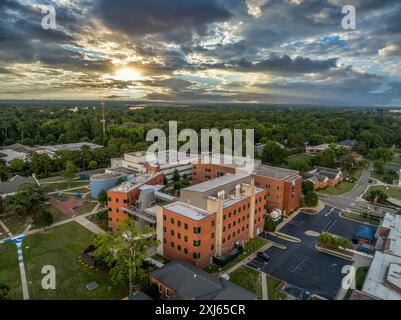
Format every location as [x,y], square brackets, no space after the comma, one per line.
[279,64]
[390,50]
[173,20]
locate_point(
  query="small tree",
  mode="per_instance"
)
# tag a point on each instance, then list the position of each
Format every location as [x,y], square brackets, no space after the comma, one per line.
[311,199]
[376,196]
[270,225]
[4,291]
[176,176]
[17,165]
[307,186]
[69,172]
[124,252]
[92,165]
[102,198]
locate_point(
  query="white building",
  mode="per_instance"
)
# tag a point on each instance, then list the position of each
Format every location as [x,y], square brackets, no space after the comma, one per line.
[138,162]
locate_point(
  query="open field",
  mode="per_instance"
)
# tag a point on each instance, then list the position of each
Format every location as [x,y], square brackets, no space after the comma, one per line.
[61,247]
[63,185]
[392,192]
[9,270]
[249,279]
[300,157]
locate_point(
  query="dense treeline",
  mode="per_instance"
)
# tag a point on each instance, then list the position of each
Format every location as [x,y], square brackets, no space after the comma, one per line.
[126,129]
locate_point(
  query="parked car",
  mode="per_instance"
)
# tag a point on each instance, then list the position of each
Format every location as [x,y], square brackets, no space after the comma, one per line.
[264,256]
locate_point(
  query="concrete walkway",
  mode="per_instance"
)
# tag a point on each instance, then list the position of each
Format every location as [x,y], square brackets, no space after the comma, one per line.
[265,294]
[83,221]
[9,233]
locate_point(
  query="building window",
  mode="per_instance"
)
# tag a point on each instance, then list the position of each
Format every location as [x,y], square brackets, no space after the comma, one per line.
[110,209]
[160,288]
[172,220]
[178,247]
[196,255]
[172,233]
[224,217]
[239,210]
[229,226]
[197,230]
[172,244]
[164,218]
[197,243]
[185,226]
[212,235]
[212,247]
[229,237]
[179,235]
[117,200]
[234,223]
[185,250]
[167,293]
[244,207]
[224,229]
[213,223]
[178,223]
[164,240]
[224,240]
[125,201]
[164,229]
[185,238]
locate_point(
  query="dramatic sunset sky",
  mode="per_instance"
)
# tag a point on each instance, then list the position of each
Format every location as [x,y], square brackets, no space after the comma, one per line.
[265,51]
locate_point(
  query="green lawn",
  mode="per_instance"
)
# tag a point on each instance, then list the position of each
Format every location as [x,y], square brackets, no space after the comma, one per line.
[392,192]
[273,289]
[100,221]
[361,218]
[251,247]
[249,279]
[59,186]
[360,276]
[9,270]
[18,223]
[342,187]
[86,208]
[300,157]
[61,247]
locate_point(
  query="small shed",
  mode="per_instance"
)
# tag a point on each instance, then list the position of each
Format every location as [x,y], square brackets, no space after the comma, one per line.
[364,235]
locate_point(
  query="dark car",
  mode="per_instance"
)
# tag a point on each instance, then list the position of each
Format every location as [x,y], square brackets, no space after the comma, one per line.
[264,256]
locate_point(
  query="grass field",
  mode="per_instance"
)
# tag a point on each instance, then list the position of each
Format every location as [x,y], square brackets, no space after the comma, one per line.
[59,186]
[101,222]
[249,279]
[392,192]
[9,270]
[300,157]
[61,247]
[361,218]
[273,289]
[86,208]
[18,223]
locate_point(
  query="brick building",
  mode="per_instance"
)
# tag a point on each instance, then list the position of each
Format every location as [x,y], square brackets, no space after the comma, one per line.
[283,186]
[125,196]
[211,219]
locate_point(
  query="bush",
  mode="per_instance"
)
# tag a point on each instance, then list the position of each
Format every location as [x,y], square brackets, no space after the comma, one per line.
[311,199]
[43,219]
[326,239]
[307,186]
[4,291]
[376,195]
[270,225]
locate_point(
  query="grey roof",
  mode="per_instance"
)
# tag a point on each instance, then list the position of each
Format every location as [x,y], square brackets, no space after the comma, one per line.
[274,172]
[188,211]
[12,186]
[215,183]
[347,143]
[192,283]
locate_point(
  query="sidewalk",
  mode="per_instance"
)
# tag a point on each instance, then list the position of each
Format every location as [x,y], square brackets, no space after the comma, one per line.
[83,221]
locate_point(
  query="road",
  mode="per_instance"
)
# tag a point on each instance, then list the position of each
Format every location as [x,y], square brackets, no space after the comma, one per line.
[352,200]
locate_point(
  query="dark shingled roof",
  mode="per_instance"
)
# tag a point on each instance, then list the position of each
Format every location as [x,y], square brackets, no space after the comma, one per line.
[12,186]
[192,283]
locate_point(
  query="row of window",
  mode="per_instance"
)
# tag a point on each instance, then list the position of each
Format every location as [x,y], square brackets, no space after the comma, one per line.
[196,230]
[196,243]
[195,255]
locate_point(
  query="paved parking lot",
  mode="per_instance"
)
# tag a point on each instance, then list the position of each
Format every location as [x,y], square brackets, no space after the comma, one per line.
[305,269]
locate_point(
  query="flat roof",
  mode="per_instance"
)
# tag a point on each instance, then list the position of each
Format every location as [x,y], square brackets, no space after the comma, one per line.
[393,223]
[188,211]
[216,183]
[274,172]
[134,182]
[374,284]
[71,146]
